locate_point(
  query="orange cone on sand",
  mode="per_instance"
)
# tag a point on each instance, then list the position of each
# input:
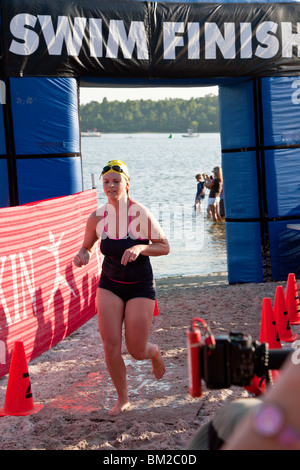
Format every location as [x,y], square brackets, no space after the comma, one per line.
[19,399]
[268,328]
[156,311]
[292,300]
[282,317]
[257,386]
[268,334]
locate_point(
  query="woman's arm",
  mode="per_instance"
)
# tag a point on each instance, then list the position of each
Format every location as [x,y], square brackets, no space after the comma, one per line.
[158,247]
[149,228]
[90,237]
[208,182]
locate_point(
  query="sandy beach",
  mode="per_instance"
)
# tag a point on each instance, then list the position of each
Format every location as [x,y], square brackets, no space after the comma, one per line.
[72,383]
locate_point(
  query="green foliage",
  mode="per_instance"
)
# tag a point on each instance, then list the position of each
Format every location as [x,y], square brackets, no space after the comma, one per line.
[169,115]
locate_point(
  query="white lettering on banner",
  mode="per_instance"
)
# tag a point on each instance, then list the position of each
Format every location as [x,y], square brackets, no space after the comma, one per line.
[2,92]
[234,41]
[2,352]
[96,38]
[29,282]
[265,34]
[193,31]
[73,36]
[213,38]
[290,40]
[171,41]
[2,297]
[59,279]
[246,40]
[118,37]
[20,27]
[296,93]
[269,43]
[295,355]
[25,281]
[25,276]
[15,287]
[63,34]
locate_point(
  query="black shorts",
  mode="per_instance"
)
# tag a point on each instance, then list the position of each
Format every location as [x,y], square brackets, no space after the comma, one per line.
[130,290]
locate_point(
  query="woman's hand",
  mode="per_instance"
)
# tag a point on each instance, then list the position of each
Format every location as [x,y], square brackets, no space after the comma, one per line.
[82,258]
[131,254]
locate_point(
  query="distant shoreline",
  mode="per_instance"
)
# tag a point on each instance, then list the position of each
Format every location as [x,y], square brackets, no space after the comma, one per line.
[156,132]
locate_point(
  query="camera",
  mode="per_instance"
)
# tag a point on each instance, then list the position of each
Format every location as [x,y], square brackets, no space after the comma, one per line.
[225,360]
[234,359]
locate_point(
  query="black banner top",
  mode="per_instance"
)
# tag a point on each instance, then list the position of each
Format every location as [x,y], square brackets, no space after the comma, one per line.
[127,38]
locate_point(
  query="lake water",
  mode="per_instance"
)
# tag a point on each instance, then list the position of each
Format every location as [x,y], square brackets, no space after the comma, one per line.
[162,177]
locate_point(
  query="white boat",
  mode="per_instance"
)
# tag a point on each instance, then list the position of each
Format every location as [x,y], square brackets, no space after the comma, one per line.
[190,134]
[91,134]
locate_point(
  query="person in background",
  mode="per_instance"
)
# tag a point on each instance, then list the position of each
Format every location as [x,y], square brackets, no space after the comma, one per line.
[222,203]
[129,235]
[215,186]
[200,195]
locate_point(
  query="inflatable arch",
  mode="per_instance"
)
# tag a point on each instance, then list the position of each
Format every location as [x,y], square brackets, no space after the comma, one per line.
[250,50]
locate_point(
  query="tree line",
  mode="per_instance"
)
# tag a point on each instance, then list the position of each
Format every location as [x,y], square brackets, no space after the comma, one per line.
[169,115]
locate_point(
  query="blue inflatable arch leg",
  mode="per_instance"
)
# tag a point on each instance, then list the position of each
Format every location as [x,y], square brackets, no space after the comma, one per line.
[260,141]
[40,140]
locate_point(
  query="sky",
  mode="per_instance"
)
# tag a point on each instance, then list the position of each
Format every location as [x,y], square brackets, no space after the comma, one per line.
[122,94]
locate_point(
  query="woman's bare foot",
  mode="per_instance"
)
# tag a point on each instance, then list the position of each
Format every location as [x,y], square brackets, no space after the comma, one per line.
[158,365]
[119,408]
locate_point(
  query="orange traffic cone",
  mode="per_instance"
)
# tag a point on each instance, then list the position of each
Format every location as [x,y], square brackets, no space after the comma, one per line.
[19,399]
[257,386]
[282,317]
[156,311]
[268,334]
[268,328]
[292,300]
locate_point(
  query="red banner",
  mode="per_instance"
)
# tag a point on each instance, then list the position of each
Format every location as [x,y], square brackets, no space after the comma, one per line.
[43,296]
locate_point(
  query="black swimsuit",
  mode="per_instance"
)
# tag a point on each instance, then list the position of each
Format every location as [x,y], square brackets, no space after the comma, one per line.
[130,281]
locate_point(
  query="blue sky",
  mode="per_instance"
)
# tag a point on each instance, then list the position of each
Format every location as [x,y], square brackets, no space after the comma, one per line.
[122,94]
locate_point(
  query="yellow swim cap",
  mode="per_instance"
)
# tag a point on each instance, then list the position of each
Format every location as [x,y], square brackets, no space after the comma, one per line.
[116,166]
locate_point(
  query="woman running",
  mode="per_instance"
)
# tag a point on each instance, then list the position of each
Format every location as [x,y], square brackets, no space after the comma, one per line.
[129,235]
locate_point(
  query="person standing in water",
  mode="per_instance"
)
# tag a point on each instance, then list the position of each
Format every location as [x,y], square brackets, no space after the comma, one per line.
[126,295]
[200,194]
